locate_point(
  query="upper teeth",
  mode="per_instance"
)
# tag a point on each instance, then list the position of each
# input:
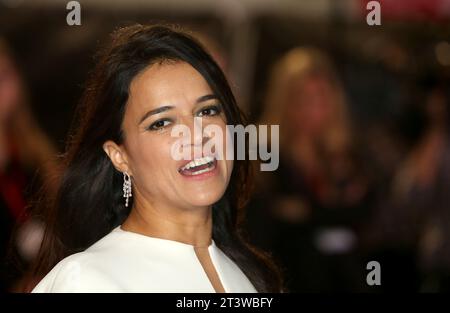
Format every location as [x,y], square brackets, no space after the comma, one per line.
[198,162]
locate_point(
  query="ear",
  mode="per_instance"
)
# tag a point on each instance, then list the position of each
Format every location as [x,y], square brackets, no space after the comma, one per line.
[117,156]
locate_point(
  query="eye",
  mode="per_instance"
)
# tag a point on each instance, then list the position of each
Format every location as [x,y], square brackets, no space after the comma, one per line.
[159,124]
[210,111]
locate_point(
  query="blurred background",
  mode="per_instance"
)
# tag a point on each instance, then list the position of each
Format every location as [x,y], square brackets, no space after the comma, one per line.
[363,112]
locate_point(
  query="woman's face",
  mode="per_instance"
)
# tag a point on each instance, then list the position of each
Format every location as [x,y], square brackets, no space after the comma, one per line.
[162,97]
[310,104]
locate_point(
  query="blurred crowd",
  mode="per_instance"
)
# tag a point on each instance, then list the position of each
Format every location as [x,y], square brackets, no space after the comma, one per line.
[343,194]
[335,203]
[27,161]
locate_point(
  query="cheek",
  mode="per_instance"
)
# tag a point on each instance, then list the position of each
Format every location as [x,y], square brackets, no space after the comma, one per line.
[229,165]
[223,148]
[150,159]
[228,151]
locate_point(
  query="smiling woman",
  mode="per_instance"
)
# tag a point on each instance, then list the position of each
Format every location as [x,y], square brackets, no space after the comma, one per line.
[179,230]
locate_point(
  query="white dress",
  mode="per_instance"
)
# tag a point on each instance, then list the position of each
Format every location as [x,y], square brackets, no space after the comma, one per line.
[124,261]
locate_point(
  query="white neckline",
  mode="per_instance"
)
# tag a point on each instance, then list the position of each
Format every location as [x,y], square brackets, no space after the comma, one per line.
[180,244]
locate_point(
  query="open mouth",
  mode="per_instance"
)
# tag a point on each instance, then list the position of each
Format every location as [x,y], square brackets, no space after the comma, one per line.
[198,166]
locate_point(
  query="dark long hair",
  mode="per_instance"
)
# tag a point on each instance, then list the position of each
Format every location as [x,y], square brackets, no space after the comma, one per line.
[89,203]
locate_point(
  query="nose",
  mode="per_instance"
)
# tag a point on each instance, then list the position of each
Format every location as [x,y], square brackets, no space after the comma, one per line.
[197,131]
[198,136]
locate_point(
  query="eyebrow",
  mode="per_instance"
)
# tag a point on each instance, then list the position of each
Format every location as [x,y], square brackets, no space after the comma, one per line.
[206,98]
[169,107]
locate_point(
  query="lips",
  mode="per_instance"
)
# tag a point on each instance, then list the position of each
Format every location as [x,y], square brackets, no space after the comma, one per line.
[198,166]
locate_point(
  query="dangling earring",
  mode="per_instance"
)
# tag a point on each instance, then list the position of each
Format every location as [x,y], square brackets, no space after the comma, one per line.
[126,187]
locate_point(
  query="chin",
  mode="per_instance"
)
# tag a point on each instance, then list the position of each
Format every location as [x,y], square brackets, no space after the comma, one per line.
[207,198]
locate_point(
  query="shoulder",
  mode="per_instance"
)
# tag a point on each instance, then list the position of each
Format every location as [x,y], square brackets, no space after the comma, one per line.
[83,271]
[69,275]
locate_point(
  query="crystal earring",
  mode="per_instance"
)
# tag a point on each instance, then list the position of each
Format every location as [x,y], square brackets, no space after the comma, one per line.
[126,187]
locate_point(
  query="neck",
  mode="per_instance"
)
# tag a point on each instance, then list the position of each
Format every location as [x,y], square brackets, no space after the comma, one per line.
[191,226]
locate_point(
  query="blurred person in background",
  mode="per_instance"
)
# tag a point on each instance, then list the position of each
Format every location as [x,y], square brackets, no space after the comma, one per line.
[414,225]
[215,49]
[316,201]
[24,149]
